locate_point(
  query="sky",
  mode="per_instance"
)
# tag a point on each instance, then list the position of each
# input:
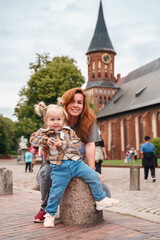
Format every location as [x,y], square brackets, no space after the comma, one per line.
[65,28]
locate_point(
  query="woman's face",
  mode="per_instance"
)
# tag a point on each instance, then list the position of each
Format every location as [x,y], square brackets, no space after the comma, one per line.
[75,107]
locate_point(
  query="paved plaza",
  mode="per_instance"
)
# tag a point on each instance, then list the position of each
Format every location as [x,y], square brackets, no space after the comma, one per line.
[136,217]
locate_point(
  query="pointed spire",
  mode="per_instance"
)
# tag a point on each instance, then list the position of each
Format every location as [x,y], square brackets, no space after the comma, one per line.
[100,40]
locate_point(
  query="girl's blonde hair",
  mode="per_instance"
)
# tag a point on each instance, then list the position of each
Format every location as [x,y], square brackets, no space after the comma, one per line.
[86,118]
[42,110]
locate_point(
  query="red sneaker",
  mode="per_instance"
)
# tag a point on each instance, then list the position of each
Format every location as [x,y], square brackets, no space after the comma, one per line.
[39,218]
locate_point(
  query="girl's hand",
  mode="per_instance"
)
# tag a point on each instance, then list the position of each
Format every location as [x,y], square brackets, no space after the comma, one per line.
[57,143]
[50,141]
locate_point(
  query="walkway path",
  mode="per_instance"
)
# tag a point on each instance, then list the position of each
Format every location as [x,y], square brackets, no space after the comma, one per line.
[17,210]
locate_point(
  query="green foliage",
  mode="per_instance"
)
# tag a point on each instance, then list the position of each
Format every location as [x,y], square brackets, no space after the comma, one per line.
[8,136]
[156,143]
[49,80]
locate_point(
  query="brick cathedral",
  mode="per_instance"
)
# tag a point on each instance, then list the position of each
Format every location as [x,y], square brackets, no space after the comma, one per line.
[128,108]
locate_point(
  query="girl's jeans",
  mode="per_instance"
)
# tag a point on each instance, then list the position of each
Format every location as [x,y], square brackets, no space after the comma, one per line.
[61,176]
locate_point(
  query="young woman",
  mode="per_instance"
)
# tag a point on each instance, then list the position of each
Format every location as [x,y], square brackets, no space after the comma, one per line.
[82,120]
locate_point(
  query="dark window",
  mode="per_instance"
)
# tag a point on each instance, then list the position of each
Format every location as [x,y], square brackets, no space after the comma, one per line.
[104,100]
[100,100]
[93,75]
[125,133]
[158,121]
[106,75]
[99,74]
[141,129]
[113,133]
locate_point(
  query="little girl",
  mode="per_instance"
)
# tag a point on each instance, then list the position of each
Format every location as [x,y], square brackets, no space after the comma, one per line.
[62,144]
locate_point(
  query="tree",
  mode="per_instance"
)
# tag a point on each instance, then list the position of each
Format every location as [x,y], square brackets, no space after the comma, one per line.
[156,143]
[50,79]
[8,136]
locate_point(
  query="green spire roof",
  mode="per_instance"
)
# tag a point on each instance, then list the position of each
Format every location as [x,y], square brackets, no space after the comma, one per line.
[100,40]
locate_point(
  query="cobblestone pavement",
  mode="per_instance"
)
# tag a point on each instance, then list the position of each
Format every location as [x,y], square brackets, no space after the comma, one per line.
[136,217]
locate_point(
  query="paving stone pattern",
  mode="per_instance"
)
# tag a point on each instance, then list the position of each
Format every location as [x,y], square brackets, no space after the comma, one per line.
[17,210]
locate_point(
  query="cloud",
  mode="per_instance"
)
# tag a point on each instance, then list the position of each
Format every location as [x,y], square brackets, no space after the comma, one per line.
[66,28]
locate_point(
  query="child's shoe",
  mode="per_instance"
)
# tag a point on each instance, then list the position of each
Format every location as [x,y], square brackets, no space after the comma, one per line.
[49,220]
[106,202]
[39,218]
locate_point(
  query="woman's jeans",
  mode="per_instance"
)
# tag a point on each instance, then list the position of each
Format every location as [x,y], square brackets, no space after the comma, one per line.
[61,176]
[44,181]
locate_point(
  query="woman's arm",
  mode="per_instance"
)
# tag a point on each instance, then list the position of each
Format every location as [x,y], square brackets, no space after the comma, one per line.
[90,154]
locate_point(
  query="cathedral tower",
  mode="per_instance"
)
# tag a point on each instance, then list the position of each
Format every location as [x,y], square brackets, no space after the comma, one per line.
[101,85]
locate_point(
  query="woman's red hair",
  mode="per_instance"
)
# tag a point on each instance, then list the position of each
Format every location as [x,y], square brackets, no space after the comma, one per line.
[86,119]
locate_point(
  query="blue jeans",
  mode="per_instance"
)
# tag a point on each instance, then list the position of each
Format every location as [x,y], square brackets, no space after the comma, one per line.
[61,176]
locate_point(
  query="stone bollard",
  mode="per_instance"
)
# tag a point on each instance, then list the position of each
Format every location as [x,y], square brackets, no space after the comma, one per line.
[135,178]
[6,182]
[77,205]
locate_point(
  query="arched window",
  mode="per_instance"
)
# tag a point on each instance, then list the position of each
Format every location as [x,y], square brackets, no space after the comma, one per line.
[113,134]
[104,100]
[158,123]
[141,129]
[100,100]
[125,133]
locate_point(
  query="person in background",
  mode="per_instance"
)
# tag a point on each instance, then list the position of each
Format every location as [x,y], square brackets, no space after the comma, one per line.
[28,161]
[62,144]
[100,154]
[135,155]
[149,160]
[33,151]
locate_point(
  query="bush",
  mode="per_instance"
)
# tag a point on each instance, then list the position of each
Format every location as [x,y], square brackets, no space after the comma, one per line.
[156,143]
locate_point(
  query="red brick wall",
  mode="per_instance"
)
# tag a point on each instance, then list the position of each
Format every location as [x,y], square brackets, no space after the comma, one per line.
[116,152]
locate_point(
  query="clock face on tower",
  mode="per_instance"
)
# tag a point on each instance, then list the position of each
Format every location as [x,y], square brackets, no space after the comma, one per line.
[106,58]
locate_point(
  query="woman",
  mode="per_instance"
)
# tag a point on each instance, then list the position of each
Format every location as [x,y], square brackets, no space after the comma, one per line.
[82,120]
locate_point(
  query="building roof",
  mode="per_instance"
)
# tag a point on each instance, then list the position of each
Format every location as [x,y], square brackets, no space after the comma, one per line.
[106,84]
[100,40]
[140,89]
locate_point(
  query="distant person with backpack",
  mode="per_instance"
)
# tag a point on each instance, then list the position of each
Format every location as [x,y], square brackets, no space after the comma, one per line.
[149,160]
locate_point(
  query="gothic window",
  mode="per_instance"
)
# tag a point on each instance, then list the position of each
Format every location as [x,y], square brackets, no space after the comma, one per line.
[158,123]
[125,133]
[141,129]
[100,100]
[113,134]
[99,65]
[93,66]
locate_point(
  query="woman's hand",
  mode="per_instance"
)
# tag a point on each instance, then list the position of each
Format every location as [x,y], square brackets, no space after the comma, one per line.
[101,177]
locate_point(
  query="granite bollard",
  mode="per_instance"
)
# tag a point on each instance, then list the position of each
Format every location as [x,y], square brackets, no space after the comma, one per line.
[135,178]
[6,181]
[77,205]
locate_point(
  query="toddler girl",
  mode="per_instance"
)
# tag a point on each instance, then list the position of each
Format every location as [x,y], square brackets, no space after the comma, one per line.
[62,144]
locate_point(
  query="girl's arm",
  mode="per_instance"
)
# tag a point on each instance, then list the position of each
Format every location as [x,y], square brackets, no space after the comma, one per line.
[38,139]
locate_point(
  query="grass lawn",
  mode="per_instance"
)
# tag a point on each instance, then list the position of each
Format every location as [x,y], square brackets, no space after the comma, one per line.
[121,163]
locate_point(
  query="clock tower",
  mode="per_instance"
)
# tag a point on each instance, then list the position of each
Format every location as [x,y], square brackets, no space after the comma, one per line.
[101,85]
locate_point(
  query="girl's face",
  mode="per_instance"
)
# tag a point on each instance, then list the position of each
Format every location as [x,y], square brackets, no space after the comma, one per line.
[75,107]
[55,120]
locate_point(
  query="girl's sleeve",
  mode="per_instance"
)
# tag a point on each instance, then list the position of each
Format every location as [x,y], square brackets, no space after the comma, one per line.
[38,139]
